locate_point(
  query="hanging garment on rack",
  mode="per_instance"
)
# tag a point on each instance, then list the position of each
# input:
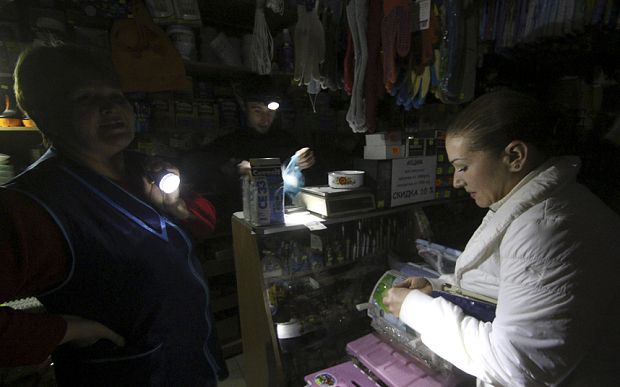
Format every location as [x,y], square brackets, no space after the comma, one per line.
[331,76]
[357,15]
[373,81]
[309,44]
[459,52]
[395,31]
[349,64]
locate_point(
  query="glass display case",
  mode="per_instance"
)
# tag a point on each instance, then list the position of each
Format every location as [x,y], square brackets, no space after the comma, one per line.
[299,284]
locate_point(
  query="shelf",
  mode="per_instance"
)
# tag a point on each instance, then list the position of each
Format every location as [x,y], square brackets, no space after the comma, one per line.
[226,302]
[216,70]
[237,17]
[18,129]
[232,348]
[299,221]
[215,268]
[299,274]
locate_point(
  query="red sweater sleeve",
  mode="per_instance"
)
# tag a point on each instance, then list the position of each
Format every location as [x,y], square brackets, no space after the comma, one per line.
[203,223]
[35,257]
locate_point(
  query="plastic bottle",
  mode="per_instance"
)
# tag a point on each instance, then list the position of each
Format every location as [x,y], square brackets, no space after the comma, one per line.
[288,60]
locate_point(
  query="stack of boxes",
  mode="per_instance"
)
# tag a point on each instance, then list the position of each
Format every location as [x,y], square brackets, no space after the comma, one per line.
[192,115]
[404,171]
[381,146]
[434,142]
[399,173]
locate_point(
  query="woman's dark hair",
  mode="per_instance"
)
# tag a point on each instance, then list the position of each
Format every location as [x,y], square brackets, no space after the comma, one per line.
[495,119]
[46,73]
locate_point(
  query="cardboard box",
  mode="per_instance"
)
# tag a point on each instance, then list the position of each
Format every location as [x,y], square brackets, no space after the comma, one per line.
[185,115]
[384,152]
[415,147]
[383,139]
[445,169]
[444,181]
[442,156]
[443,193]
[207,116]
[266,192]
[163,109]
[431,147]
[431,134]
[400,181]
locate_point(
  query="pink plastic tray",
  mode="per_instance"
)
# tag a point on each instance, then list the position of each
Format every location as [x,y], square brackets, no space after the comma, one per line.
[342,375]
[394,368]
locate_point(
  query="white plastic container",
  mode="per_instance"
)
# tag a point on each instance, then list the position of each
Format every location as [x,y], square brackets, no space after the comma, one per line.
[183,39]
[226,51]
[345,179]
[160,8]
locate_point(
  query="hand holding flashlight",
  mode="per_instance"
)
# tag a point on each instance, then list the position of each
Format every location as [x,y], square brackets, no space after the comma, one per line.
[162,174]
[168,182]
[162,182]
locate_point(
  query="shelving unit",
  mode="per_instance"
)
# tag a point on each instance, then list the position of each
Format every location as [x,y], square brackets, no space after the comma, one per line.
[267,363]
[18,129]
[210,70]
[238,15]
[228,327]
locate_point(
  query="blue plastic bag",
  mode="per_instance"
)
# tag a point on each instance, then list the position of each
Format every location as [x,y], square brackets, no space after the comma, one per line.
[293,179]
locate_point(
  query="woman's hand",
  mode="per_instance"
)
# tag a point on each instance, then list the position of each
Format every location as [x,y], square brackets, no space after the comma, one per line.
[170,203]
[396,296]
[394,300]
[420,283]
[83,333]
[306,158]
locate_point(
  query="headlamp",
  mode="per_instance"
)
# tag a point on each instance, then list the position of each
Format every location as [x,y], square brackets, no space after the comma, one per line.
[271,101]
[272,105]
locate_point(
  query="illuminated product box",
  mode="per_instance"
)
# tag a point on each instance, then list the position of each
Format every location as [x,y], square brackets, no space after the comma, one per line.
[266,192]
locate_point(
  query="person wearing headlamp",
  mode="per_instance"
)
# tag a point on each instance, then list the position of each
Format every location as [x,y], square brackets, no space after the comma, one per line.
[262,136]
[259,136]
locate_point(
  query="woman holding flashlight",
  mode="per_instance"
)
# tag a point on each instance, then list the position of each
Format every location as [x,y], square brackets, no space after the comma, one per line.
[109,253]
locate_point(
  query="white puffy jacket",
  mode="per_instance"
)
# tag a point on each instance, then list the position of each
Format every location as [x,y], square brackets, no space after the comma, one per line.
[549,252]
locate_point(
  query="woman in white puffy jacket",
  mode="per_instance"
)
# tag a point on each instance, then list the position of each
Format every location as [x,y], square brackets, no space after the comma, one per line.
[548,251]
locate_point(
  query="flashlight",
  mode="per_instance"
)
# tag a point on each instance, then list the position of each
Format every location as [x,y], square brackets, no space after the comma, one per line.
[168,182]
